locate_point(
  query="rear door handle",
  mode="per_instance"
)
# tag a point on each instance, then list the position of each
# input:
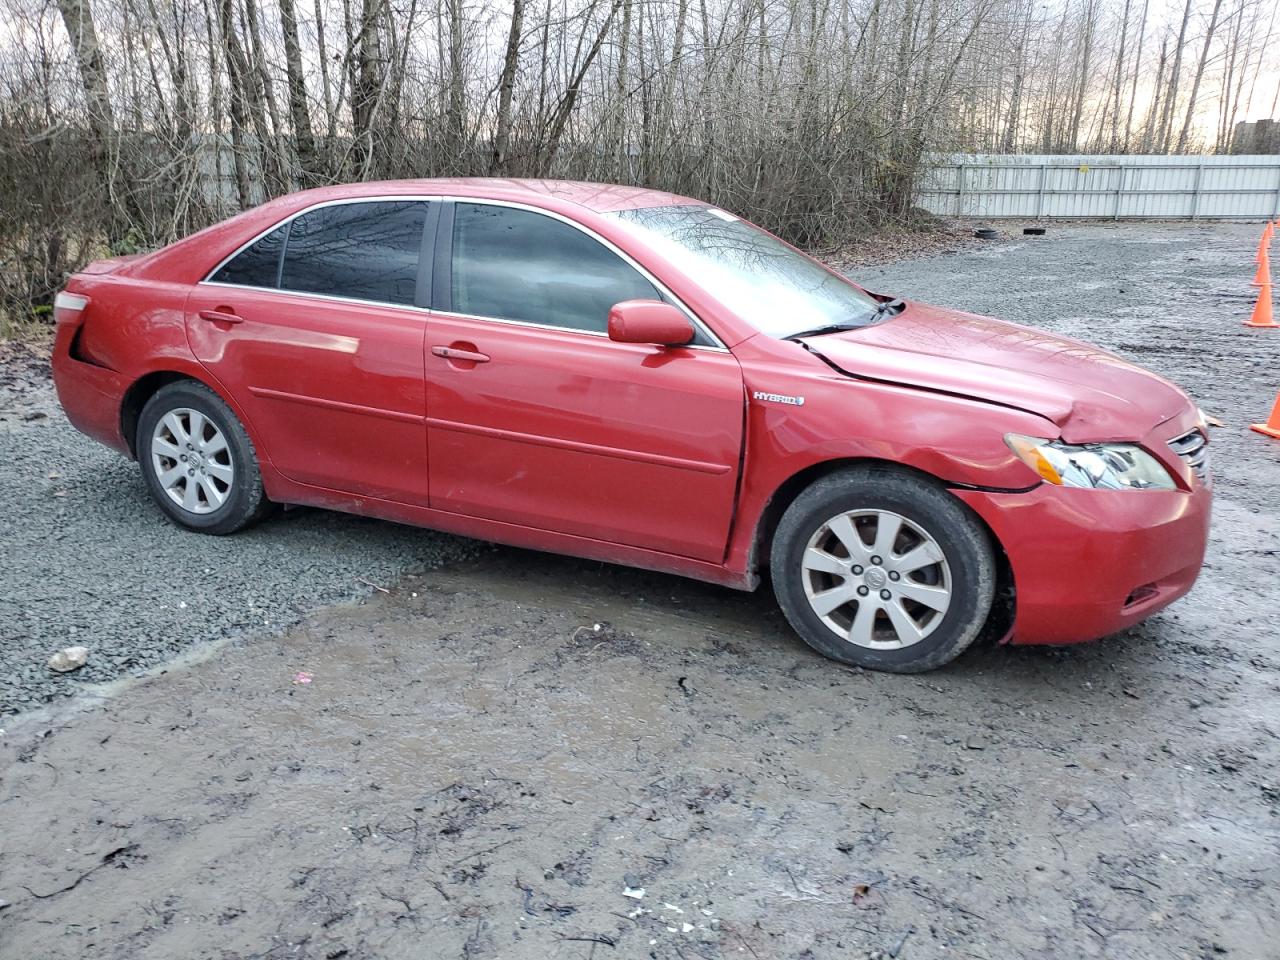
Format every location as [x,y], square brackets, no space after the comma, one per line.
[453,353]
[220,316]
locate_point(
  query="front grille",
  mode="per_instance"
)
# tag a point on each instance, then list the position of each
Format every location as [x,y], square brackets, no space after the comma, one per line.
[1193,448]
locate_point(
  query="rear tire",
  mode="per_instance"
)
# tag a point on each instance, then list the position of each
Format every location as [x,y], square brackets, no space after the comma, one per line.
[198,462]
[881,568]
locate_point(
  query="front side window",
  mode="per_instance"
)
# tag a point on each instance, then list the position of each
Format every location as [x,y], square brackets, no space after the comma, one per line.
[364,251]
[257,265]
[776,289]
[513,264]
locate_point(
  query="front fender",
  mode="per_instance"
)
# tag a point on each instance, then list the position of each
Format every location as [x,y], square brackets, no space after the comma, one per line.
[958,440]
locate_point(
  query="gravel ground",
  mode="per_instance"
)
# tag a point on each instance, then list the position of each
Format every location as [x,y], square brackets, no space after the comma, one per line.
[87,559]
[480,763]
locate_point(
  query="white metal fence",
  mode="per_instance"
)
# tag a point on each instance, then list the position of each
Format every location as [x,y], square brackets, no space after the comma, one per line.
[1111,187]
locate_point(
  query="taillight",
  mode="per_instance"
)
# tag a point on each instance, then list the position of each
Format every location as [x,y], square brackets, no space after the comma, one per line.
[67,307]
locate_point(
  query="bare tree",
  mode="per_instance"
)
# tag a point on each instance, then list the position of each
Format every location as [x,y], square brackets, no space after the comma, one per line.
[506,88]
[78,19]
[1199,75]
[1175,74]
[299,111]
[815,116]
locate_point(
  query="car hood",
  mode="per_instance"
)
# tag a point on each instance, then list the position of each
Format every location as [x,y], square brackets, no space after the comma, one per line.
[1090,394]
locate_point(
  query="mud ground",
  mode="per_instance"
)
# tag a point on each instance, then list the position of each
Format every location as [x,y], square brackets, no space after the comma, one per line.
[483,762]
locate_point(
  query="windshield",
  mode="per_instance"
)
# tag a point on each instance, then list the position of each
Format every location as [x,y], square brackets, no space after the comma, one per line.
[766,283]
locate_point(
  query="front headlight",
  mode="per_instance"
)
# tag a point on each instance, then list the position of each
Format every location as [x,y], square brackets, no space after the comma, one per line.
[1100,466]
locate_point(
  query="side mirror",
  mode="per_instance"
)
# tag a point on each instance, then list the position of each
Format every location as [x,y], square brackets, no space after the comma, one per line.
[649,321]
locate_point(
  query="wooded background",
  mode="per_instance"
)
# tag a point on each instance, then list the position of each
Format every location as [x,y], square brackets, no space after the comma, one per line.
[127,123]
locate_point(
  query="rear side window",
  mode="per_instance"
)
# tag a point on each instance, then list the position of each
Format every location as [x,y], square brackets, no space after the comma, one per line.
[513,264]
[366,251]
[256,266]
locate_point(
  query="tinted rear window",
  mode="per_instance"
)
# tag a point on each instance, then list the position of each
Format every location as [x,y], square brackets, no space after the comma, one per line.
[256,266]
[366,251]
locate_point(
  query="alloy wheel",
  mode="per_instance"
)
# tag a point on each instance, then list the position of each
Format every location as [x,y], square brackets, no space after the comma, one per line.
[876,579]
[192,460]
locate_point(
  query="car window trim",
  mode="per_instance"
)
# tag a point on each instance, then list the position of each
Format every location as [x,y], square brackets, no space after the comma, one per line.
[420,295]
[386,304]
[284,248]
[422,291]
[438,274]
[442,251]
[715,342]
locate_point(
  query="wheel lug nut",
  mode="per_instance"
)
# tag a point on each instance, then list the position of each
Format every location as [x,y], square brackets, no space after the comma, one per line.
[183,458]
[856,569]
[893,575]
[862,591]
[885,595]
[191,473]
[876,561]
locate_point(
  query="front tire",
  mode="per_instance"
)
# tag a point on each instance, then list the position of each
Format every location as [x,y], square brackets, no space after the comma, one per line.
[884,569]
[198,462]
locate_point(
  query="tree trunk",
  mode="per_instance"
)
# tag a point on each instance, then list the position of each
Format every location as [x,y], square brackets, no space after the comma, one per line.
[1137,69]
[456,122]
[618,124]
[262,106]
[564,109]
[1119,79]
[1082,81]
[236,69]
[78,19]
[1151,129]
[364,85]
[299,113]
[1175,73]
[506,87]
[1195,82]
[1015,98]
[326,85]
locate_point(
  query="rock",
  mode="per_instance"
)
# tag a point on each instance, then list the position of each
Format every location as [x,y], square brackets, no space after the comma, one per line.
[68,659]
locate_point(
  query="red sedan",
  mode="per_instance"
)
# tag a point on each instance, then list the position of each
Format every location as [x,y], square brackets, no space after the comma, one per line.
[644,379]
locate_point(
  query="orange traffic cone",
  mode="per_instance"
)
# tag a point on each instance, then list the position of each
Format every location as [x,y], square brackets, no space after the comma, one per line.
[1262,277]
[1261,316]
[1272,427]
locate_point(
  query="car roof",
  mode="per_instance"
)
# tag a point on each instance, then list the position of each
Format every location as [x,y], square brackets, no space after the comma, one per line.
[191,258]
[597,197]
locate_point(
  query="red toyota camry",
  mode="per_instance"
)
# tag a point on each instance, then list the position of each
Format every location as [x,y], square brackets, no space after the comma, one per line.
[644,379]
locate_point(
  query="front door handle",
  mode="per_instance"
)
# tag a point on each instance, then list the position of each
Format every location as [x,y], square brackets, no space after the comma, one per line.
[223,315]
[456,353]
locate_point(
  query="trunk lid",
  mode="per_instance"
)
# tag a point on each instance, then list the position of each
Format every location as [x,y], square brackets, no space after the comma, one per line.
[109,264]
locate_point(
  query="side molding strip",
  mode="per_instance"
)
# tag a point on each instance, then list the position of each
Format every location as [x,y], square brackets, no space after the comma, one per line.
[639,456]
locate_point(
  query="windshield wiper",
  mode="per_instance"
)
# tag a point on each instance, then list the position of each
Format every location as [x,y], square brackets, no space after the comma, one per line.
[884,308]
[889,308]
[829,328]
